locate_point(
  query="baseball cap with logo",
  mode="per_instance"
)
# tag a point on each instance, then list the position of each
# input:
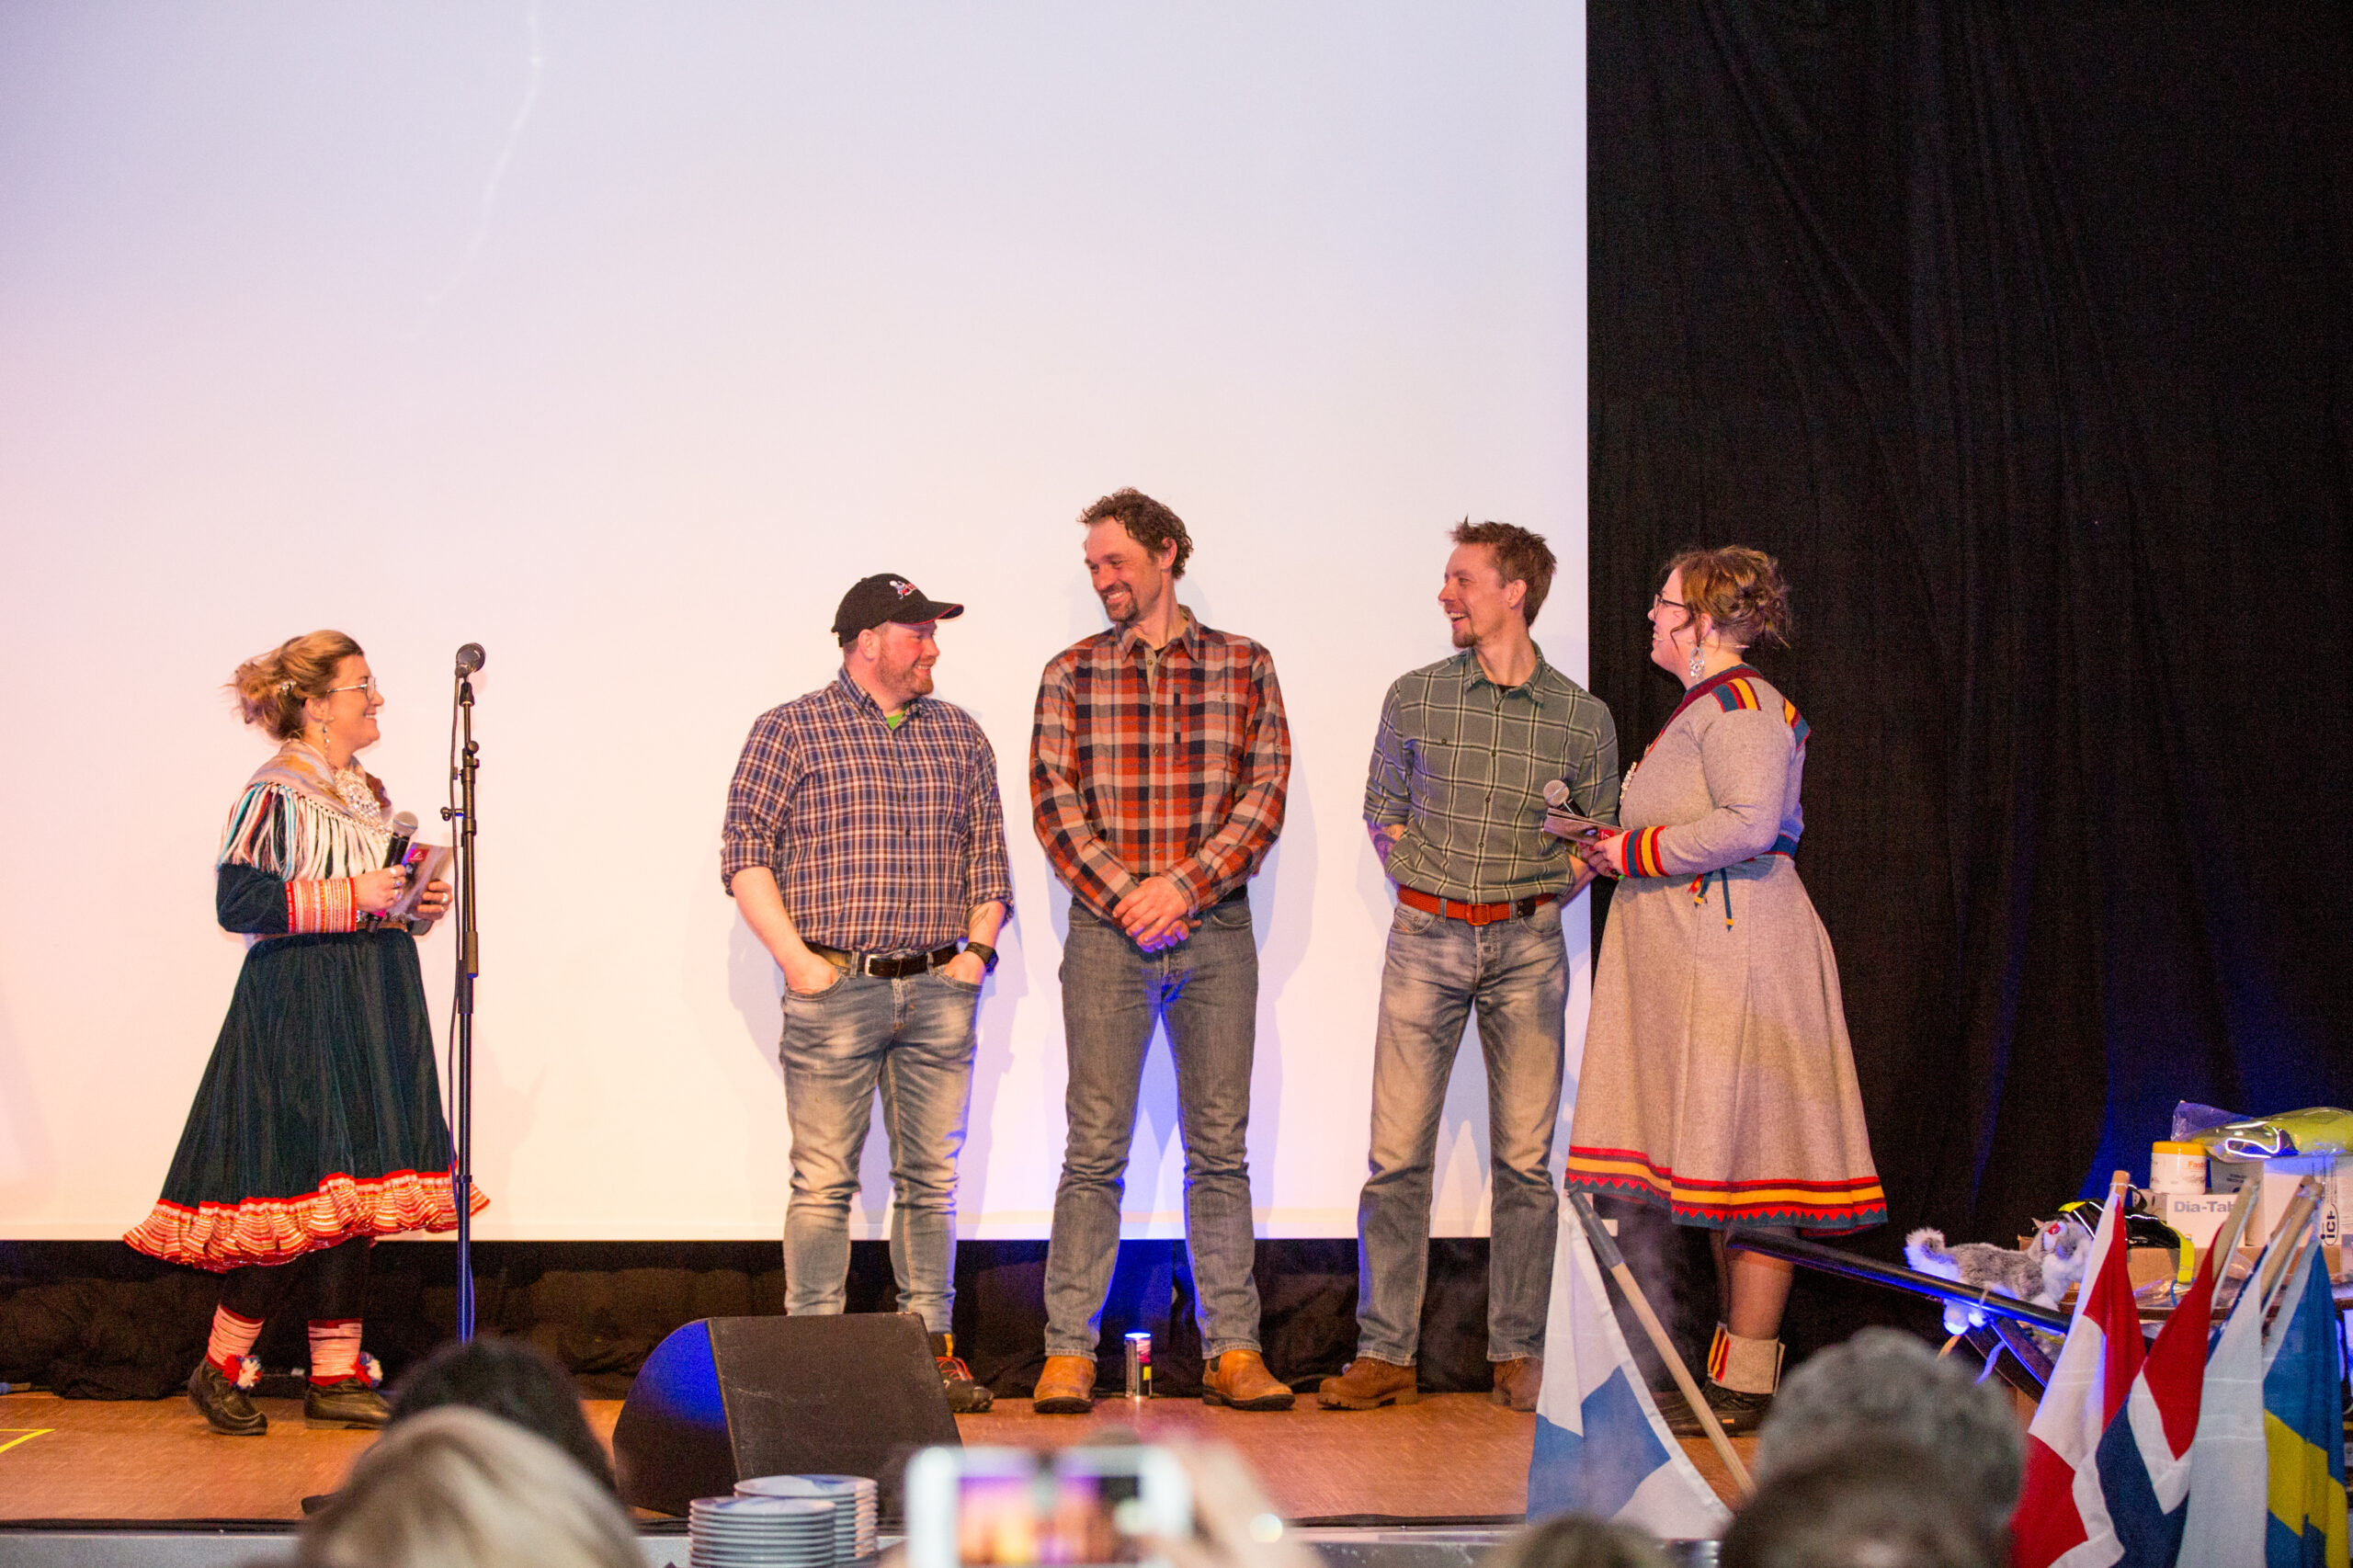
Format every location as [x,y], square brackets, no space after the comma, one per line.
[886,596]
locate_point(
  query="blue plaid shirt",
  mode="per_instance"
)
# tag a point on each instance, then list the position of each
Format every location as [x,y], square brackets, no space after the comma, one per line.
[882,840]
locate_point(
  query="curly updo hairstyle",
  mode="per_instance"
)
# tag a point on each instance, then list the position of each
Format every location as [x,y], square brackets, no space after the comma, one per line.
[271,688]
[1148,523]
[1741,589]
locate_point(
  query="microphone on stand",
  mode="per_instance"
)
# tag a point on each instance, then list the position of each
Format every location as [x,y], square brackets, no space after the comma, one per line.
[470,658]
[404,829]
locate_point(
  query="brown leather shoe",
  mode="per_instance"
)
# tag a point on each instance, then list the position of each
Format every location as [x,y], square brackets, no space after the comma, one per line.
[1240,1379]
[1066,1387]
[1367,1383]
[1517,1382]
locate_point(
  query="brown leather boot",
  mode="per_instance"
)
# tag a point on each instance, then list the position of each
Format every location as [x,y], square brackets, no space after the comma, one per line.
[1240,1379]
[1517,1382]
[1066,1387]
[1367,1383]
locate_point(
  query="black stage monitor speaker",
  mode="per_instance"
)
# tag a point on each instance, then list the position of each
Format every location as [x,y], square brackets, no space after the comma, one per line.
[723,1399]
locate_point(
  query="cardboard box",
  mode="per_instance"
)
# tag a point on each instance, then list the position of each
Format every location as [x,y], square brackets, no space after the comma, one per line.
[2279,1177]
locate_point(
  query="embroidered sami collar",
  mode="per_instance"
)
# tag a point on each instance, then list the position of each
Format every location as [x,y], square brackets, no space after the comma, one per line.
[302,767]
[1703,688]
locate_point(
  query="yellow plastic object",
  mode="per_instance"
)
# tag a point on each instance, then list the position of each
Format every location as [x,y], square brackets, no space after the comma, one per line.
[2318,1129]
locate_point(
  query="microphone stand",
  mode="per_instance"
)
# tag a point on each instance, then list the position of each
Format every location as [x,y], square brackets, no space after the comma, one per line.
[461,1026]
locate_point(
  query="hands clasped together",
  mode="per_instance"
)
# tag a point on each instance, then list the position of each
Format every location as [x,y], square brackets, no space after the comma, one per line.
[1155,915]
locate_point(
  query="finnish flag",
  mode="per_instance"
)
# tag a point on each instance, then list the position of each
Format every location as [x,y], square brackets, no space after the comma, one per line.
[1601,1446]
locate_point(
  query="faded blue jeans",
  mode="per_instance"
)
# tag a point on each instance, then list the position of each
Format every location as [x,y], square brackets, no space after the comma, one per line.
[1515,973]
[1206,988]
[914,1037]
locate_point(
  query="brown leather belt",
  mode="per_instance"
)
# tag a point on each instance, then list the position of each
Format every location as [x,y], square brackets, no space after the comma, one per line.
[893,966]
[1473,914]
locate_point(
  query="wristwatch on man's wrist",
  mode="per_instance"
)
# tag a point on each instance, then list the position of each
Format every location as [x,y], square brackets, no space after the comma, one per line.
[986,953]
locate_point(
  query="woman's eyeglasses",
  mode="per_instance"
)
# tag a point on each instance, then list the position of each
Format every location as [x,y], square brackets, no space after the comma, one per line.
[1658,600]
[368,686]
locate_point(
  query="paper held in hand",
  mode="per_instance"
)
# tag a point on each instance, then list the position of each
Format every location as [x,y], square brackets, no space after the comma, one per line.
[1568,825]
[426,862]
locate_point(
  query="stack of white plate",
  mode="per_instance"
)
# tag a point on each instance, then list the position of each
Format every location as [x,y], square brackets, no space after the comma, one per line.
[861,1506]
[760,1532]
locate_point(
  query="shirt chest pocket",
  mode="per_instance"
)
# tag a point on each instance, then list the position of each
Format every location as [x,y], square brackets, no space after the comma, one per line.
[1206,740]
[928,800]
[1437,751]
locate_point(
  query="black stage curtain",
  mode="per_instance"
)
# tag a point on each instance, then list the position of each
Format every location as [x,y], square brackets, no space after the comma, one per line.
[94,1320]
[2023,335]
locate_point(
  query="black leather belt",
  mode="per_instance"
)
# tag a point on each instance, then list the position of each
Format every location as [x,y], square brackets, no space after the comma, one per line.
[887,966]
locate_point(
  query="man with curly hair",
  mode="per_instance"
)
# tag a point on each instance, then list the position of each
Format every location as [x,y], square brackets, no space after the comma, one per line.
[1157,775]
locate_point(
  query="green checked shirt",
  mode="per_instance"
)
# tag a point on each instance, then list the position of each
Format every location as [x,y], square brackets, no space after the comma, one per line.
[1463,762]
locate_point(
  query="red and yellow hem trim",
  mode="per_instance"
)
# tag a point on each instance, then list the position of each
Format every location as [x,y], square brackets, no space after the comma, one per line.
[1642,853]
[265,1231]
[1825,1208]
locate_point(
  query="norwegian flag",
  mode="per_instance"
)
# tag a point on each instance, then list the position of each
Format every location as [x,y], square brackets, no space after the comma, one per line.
[2143,1457]
[2063,1517]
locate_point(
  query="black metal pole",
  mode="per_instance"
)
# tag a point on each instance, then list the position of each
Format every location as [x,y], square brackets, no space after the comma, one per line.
[1830,1260]
[461,1041]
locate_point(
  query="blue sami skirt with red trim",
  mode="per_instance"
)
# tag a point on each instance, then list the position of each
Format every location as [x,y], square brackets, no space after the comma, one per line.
[319,1119]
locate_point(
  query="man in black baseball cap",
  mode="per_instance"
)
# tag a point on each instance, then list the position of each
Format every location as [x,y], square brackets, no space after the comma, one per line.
[864,847]
[886,597]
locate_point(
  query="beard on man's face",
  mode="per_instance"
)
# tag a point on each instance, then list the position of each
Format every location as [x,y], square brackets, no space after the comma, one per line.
[912,678]
[1121,604]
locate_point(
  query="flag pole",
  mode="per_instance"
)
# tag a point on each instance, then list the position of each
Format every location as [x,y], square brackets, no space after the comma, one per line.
[2289,1230]
[1605,1247]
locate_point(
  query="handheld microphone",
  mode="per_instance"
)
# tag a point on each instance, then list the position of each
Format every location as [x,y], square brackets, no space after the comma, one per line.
[404,829]
[1556,794]
[470,658]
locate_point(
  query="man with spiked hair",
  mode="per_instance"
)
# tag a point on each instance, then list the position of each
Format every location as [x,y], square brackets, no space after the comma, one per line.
[1455,802]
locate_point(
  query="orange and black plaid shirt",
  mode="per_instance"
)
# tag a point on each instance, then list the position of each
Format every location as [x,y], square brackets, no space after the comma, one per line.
[1179,771]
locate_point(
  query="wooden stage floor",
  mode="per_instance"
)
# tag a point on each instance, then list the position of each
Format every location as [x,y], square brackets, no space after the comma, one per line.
[1452,1456]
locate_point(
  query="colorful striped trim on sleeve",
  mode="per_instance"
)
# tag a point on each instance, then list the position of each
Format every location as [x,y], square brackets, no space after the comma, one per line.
[1642,853]
[1798,726]
[313,907]
[1824,1207]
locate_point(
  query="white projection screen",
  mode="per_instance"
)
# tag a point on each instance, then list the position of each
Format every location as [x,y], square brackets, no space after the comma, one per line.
[621,339]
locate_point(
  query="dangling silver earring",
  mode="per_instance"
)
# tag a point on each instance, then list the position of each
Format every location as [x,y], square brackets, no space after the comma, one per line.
[1699,659]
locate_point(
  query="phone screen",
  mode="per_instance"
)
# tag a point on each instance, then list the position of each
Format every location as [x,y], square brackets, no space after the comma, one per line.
[1050,1517]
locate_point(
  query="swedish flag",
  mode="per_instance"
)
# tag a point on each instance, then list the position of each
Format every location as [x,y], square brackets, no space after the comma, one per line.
[2302,1429]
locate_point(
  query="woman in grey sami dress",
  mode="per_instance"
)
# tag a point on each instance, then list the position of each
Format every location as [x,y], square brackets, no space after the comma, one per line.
[1718,1081]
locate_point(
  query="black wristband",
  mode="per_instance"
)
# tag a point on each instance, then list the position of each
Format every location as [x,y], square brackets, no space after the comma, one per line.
[988,955]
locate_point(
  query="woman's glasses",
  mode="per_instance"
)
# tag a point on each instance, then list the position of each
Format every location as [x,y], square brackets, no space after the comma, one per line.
[368,686]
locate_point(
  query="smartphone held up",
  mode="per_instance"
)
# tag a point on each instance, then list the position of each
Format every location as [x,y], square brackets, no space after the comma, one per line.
[1014,1508]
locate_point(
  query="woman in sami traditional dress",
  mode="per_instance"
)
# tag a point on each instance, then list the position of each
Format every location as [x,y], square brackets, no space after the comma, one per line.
[1718,1081]
[318,1125]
